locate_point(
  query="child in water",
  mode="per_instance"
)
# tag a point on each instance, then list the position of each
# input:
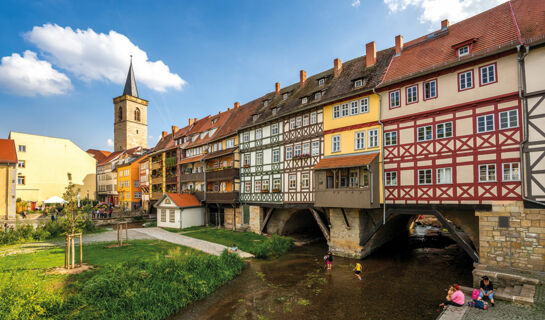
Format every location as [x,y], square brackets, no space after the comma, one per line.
[357,270]
[329,260]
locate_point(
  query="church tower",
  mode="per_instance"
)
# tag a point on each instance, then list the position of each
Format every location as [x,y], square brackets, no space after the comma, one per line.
[131,117]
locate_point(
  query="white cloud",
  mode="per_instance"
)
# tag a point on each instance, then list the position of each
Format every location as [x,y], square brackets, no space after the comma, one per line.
[30,76]
[356,3]
[99,56]
[110,142]
[433,11]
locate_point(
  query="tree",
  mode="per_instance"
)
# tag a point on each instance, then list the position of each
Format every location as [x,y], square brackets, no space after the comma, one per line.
[74,217]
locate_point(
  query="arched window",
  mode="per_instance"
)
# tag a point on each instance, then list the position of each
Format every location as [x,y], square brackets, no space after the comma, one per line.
[137,114]
[120,114]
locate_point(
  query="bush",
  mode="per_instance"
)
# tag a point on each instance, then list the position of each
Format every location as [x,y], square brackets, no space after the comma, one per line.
[54,228]
[272,247]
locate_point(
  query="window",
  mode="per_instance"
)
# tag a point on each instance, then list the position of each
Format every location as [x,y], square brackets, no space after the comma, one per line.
[274,128]
[391,178]
[21,180]
[444,130]
[276,184]
[137,115]
[430,89]
[119,114]
[304,100]
[465,80]
[336,143]
[305,180]
[353,179]
[276,155]
[292,123]
[373,138]
[298,122]
[246,161]
[245,137]
[412,94]
[444,175]
[463,51]
[21,164]
[336,112]
[364,105]
[163,215]
[395,99]
[274,110]
[424,177]
[321,82]
[121,184]
[306,148]
[292,181]
[511,171]
[266,103]
[485,123]
[138,195]
[305,120]
[230,143]
[315,148]
[509,119]
[258,133]
[488,74]
[265,185]
[424,133]
[22,148]
[317,95]
[487,173]
[259,158]
[137,184]
[313,117]
[354,108]
[344,110]
[359,140]
[171,216]
[284,96]
[257,186]
[247,186]
[289,153]
[358,83]
[390,138]
[297,150]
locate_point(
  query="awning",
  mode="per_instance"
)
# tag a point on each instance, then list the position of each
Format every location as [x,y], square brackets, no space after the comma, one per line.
[192,159]
[144,189]
[220,153]
[345,161]
[55,199]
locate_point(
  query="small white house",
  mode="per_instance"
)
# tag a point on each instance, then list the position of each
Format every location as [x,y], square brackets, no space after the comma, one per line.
[179,210]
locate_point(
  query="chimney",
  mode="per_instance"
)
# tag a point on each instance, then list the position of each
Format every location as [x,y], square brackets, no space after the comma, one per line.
[399,44]
[337,67]
[194,120]
[444,24]
[174,129]
[164,134]
[277,88]
[302,78]
[370,54]
[237,104]
[191,121]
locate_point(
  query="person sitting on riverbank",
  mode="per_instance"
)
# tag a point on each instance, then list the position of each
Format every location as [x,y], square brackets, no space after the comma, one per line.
[234,248]
[457,298]
[357,270]
[487,289]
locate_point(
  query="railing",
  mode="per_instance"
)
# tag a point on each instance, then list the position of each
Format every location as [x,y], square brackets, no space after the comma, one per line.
[170,161]
[345,198]
[225,174]
[156,165]
[171,179]
[157,180]
[222,197]
[192,177]
[156,195]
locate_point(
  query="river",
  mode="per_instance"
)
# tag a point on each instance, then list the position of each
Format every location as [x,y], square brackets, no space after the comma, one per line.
[406,279]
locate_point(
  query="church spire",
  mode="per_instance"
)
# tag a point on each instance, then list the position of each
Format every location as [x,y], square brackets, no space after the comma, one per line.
[130,84]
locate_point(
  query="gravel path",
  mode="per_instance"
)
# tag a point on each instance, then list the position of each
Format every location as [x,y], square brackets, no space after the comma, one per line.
[206,246]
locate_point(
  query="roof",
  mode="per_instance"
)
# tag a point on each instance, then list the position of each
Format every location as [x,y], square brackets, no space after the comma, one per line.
[99,155]
[220,153]
[130,83]
[110,157]
[345,161]
[7,151]
[238,117]
[183,199]
[493,31]
[192,159]
[530,17]
[333,89]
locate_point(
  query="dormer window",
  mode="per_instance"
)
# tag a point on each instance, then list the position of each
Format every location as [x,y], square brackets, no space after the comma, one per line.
[284,96]
[321,82]
[358,83]
[266,103]
[304,100]
[255,116]
[317,95]
[214,121]
[274,110]
[463,51]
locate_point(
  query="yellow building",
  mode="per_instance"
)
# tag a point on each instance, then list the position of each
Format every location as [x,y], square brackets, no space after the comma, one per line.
[128,182]
[47,164]
[8,169]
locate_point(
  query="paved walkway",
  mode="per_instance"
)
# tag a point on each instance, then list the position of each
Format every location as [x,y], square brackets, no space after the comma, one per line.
[454,313]
[202,245]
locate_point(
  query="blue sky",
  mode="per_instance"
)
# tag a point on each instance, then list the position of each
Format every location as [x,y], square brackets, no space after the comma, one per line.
[194,57]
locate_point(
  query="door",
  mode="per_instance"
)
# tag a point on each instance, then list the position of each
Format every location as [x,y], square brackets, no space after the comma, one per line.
[246,214]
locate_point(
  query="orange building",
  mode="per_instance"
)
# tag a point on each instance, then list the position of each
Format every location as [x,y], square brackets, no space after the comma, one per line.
[128,182]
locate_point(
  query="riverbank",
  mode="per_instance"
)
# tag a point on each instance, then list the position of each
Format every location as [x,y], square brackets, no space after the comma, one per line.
[148,279]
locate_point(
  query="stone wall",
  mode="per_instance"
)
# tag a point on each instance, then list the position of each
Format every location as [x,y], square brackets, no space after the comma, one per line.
[256,219]
[521,245]
[231,214]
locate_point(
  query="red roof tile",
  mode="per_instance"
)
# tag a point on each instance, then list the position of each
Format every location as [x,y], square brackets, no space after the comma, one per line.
[494,30]
[99,155]
[192,159]
[7,151]
[345,161]
[184,199]
[530,17]
[111,157]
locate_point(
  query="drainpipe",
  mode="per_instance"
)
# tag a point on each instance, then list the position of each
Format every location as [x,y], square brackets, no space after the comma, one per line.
[371,185]
[381,155]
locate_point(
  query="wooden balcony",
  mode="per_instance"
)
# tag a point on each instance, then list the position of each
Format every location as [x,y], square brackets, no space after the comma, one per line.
[171,179]
[156,195]
[187,177]
[222,197]
[156,165]
[225,174]
[157,180]
[346,198]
